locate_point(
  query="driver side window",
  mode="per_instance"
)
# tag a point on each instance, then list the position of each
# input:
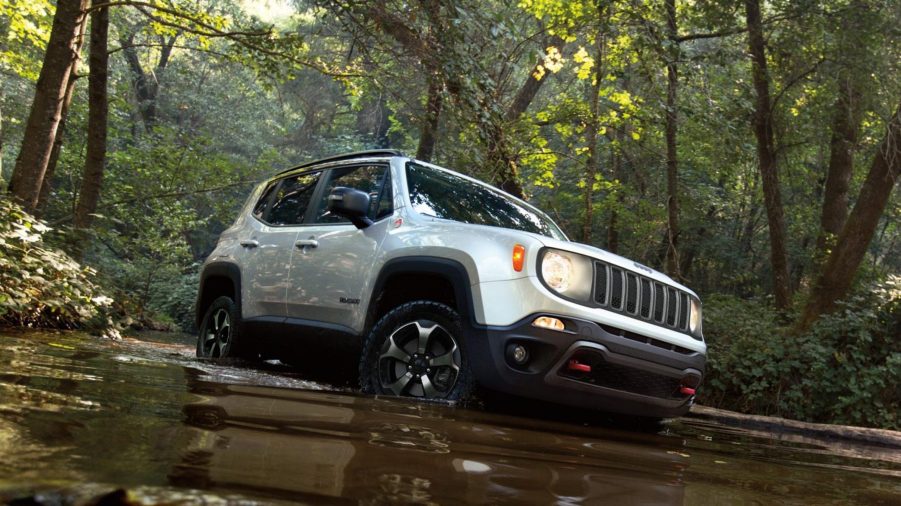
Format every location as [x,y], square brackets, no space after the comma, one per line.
[371,179]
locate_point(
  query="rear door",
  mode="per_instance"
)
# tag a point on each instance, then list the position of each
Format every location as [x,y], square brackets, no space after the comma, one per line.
[333,259]
[269,245]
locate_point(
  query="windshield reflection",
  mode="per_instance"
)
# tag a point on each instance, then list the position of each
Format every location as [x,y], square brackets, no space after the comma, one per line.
[442,194]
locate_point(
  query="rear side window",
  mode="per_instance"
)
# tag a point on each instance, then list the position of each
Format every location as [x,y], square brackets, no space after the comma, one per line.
[371,179]
[260,208]
[291,199]
[445,195]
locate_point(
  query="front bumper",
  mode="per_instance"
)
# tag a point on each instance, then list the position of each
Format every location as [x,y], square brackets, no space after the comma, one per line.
[630,374]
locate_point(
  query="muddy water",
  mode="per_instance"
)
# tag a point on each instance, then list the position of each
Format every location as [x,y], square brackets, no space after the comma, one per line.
[80,417]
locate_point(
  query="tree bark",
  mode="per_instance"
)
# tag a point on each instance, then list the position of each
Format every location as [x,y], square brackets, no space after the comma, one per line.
[592,165]
[1,135]
[98,113]
[616,162]
[499,156]
[59,138]
[46,108]
[766,154]
[429,130]
[671,131]
[841,266]
[145,84]
[47,183]
[845,127]
[145,88]
[530,87]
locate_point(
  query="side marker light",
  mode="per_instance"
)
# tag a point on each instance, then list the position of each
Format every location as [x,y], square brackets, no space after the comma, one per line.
[519,257]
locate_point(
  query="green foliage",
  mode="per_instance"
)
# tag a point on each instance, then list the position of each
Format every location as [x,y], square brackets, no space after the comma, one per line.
[26,24]
[846,369]
[41,286]
[176,296]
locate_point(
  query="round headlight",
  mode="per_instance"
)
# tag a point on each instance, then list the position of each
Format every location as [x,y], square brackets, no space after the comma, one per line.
[556,270]
[694,320]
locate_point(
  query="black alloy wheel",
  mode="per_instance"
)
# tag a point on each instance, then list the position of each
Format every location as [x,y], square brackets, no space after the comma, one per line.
[416,351]
[219,336]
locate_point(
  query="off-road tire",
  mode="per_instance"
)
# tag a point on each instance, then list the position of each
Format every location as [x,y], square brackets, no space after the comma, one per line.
[214,340]
[407,323]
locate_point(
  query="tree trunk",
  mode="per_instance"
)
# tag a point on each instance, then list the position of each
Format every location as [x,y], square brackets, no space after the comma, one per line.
[766,153]
[499,156]
[1,135]
[98,112]
[613,225]
[429,130]
[47,183]
[841,266]
[591,137]
[845,127]
[145,85]
[616,174]
[145,89]
[46,108]
[672,167]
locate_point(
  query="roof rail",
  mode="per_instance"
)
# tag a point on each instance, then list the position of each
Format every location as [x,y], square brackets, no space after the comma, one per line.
[347,156]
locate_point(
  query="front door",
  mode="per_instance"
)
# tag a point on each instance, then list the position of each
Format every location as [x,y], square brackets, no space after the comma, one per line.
[333,259]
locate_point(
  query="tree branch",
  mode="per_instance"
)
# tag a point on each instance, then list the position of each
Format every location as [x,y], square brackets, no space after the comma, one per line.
[204,29]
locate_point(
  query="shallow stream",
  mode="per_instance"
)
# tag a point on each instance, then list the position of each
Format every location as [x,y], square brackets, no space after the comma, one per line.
[81,416]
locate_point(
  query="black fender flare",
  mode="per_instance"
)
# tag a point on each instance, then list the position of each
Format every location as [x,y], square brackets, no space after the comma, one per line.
[217,269]
[453,270]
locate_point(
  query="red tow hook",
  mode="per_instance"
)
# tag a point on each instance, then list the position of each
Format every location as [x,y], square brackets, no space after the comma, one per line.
[686,390]
[574,365]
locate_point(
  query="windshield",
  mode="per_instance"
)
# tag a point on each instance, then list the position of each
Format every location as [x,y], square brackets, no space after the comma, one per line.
[445,195]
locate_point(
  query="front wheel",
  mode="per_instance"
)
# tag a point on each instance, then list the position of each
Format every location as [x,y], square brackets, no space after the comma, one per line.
[416,350]
[220,333]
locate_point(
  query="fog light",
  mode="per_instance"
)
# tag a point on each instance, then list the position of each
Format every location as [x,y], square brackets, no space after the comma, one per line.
[520,354]
[546,322]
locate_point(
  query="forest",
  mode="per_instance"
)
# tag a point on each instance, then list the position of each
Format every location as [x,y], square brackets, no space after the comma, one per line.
[749,149]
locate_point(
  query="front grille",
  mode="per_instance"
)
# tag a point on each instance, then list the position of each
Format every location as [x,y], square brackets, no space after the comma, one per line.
[640,297]
[619,377]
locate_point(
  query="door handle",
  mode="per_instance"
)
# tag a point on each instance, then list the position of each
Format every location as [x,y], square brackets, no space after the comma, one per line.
[250,243]
[303,243]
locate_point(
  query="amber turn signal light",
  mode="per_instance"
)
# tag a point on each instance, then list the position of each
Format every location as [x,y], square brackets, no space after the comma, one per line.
[519,257]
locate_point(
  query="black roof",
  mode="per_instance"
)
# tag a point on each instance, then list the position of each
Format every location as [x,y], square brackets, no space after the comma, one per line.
[348,156]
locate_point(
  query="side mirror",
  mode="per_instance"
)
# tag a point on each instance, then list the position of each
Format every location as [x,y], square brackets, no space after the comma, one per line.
[351,204]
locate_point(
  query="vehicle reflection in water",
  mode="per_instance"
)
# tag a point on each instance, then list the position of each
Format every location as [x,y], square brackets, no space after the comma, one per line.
[81,417]
[315,446]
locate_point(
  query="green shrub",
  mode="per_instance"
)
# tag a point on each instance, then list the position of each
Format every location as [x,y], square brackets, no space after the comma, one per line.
[846,369]
[176,298]
[41,286]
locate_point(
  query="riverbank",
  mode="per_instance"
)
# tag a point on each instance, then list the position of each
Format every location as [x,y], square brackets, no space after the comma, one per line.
[820,432]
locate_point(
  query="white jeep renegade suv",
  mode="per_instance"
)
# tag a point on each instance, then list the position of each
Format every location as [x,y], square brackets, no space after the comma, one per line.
[438,281]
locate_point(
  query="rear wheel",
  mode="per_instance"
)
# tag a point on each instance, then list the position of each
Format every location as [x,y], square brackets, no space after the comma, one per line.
[220,333]
[416,350]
